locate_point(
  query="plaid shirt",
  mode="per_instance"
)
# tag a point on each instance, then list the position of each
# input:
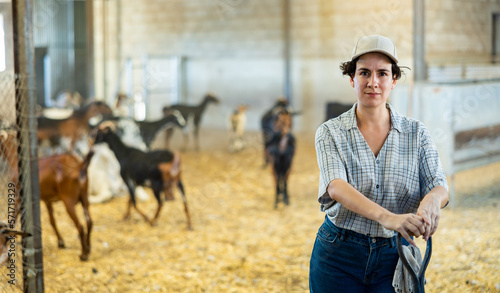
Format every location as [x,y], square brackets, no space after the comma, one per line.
[405,170]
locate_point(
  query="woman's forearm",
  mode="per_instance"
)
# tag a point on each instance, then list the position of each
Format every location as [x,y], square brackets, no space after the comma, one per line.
[342,192]
[406,224]
[440,194]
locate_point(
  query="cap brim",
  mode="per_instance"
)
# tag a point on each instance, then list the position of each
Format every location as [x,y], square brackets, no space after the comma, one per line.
[375,51]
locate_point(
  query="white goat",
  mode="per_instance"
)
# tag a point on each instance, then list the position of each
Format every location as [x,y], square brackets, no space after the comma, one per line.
[238,121]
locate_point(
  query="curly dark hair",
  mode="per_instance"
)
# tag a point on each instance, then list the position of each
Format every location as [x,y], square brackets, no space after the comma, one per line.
[349,68]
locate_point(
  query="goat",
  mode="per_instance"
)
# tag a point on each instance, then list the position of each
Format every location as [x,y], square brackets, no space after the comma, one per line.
[64,177]
[160,169]
[280,150]
[269,120]
[237,122]
[72,127]
[104,175]
[141,134]
[68,100]
[7,238]
[121,108]
[149,129]
[196,112]
[104,171]
[105,181]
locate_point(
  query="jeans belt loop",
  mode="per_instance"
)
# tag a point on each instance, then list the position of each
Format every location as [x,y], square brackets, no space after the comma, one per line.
[393,241]
[342,234]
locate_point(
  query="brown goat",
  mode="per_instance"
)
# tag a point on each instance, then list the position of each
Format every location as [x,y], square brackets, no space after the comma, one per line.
[73,127]
[64,177]
[281,149]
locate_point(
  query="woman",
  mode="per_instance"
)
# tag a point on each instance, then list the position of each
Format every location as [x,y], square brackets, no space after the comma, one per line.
[379,174]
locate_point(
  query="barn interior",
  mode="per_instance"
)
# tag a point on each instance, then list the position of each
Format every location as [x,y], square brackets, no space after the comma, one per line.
[145,60]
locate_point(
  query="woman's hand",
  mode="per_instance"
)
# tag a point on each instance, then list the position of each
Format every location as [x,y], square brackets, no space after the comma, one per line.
[429,210]
[406,224]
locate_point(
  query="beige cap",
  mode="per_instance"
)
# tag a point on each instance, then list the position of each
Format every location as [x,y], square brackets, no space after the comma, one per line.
[377,44]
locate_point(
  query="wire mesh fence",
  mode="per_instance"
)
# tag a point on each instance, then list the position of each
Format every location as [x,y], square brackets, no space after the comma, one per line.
[17,185]
[11,277]
[21,266]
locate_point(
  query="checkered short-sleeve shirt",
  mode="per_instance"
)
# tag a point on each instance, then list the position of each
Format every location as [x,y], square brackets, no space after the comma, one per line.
[405,170]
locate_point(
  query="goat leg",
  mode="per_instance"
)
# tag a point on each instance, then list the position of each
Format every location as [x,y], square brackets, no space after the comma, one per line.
[186,210]
[186,140]
[168,137]
[154,221]
[142,214]
[132,203]
[70,208]
[196,136]
[129,207]
[60,241]
[276,201]
[277,183]
[86,212]
[285,192]
[127,212]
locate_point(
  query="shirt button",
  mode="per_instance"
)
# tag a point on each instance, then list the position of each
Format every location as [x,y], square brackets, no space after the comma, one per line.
[374,240]
[377,186]
[377,161]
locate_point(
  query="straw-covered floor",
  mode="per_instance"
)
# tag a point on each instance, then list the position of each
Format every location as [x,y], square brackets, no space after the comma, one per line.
[241,244]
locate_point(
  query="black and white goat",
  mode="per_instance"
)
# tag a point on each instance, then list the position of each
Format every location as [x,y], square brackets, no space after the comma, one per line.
[159,170]
[269,120]
[104,170]
[191,111]
[149,129]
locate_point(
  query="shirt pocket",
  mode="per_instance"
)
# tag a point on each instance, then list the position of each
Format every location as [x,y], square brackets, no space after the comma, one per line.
[406,189]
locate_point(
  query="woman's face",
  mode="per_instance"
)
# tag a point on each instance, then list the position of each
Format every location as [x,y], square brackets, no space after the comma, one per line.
[373,79]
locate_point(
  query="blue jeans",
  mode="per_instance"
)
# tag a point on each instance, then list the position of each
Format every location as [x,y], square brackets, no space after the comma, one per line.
[345,261]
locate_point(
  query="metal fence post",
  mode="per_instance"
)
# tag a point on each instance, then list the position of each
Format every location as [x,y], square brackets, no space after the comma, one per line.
[24,70]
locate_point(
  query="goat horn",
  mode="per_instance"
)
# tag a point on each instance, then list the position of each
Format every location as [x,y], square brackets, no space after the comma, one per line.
[108,124]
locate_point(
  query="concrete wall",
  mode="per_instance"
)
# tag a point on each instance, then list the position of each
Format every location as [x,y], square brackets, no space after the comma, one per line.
[234,48]
[459,31]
